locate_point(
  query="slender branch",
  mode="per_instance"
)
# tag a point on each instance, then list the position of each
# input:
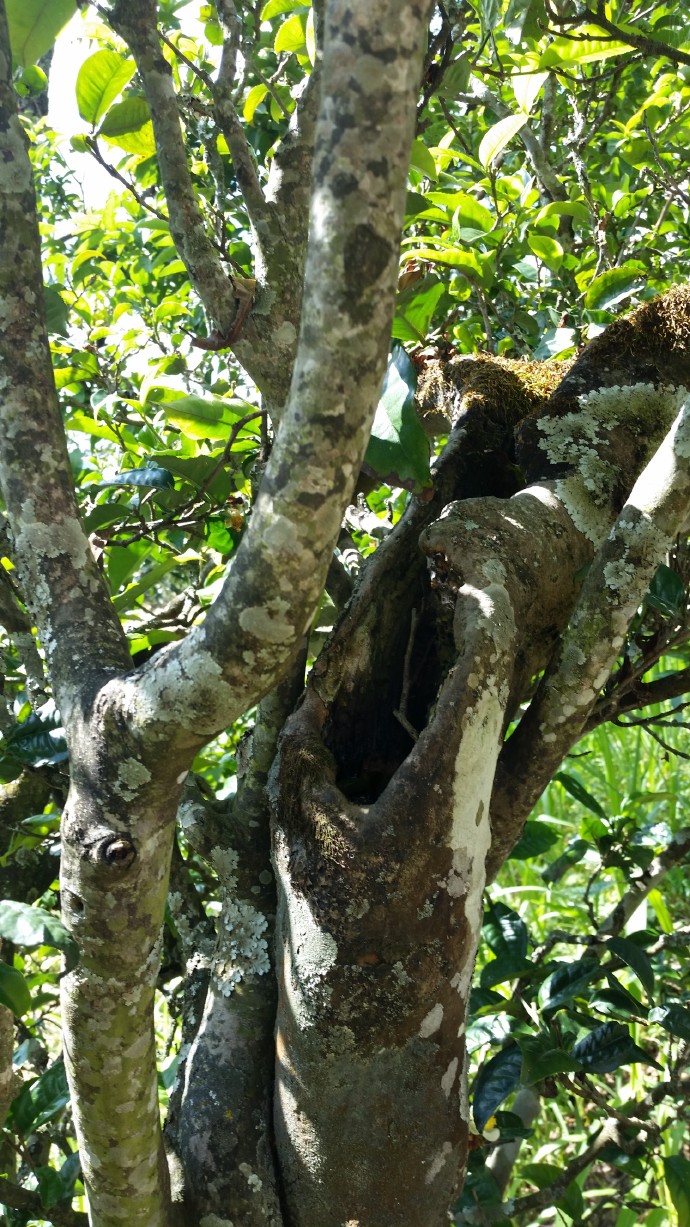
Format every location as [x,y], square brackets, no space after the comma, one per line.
[643,42]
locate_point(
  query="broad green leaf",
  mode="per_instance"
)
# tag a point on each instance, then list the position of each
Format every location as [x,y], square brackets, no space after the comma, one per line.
[253,100]
[465,262]
[526,87]
[677,1177]
[541,1059]
[82,422]
[536,838]
[415,310]
[422,160]
[56,1186]
[673,1018]
[576,788]
[310,36]
[100,80]
[566,983]
[573,854]
[566,51]
[666,592]
[34,25]
[470,213]
[616,1000]
[32,926]
[635,959]
[127,599]
[57,311]
[39,1101]
[498,137]
[201,417]
[494,1082]
[615,284]
[398,449]
[456,77]
[14,990]
[505,932]
[151,475]
[658,904]
[274,8]
[564,208]
[128,125]
[38,741]
[523,19]
[547,249]
[292,35]
[607,1048]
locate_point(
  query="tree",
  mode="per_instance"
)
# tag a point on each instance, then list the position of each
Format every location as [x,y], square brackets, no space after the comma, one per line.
[505,613]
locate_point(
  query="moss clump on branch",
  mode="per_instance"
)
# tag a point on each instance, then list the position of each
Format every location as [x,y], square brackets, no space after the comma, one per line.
[501,390]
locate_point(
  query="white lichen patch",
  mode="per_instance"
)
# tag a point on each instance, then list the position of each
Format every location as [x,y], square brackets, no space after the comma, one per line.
[225,862]
[449,1077]
[132,775]
[431,1022]
[265,624]
[242,950]
[438,1162]
[255,1183]
[619,575]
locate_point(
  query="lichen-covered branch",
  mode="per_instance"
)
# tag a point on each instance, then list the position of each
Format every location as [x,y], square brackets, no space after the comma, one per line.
[372,62]
[57,572]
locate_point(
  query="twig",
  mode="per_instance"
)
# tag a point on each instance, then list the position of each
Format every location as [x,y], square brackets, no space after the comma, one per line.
[401,712]
[115,174]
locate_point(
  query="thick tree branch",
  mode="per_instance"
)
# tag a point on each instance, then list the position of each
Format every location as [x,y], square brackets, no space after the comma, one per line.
[57,572]
[366,122]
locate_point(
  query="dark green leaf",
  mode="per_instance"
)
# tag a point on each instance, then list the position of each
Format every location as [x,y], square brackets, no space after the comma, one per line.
[576,788]
[607,1048]
[636,960]
[541,1059]
[57,311]
[149,475]
[504,931]
[14,990]
[494,1082]
[574,853]
[536,839]
[56,1186]
[39,740]
[40,1101]
[398,450]
[616,1000]
[673,1018]
[666,592]
[32,926]
[677,1176]
[567,982]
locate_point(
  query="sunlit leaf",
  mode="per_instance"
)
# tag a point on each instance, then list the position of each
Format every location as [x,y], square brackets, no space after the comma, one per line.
[14,990]
[34,25]
[128,125]
[498,137]
[32,926]
[101,78]
[398,449]
[677,1177]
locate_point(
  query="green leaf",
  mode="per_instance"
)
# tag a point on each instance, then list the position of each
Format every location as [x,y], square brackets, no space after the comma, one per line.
[253,100]
[39,1101]
[576,788]
[505,931]
[34,25]
[291,36]
[56,1186]
[469,213]
[128,125]
[541,1059]
[569,51]
[673,1018]
[573,854]
[607,1048]
[201,417]
[677,1177]
[564,208]
[566,983]
[14,990]
[57,311]
[398,450]
[635,959]
[464,261]
[151,475]
[498,137]
[536,839]
[615,284]
[526,87]
[38,741]
[422,160]
[547,249]
[100,80]
[666,592]
[495,1081]
[29,927]
[275,8]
